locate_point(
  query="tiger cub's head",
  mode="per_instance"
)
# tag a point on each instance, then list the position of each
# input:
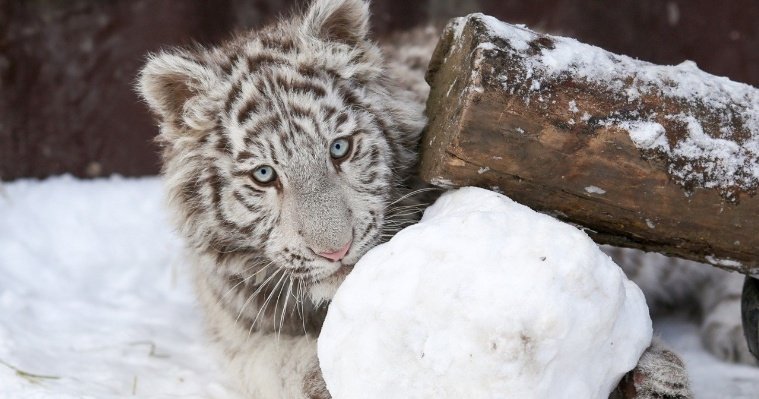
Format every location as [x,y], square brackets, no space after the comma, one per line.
[283,147]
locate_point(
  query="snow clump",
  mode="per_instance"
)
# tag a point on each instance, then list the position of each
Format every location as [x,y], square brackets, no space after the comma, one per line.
[484,298]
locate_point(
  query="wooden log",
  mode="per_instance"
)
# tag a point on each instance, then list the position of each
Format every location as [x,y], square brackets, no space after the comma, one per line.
[658,158]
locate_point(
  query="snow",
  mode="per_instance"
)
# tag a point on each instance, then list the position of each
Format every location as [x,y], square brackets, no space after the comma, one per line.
[726,158]
[595,190]
[723,262]
[483,298]
[573,107]
[729,158]
[90,277]
[647,135]
[93,296]
[442,182]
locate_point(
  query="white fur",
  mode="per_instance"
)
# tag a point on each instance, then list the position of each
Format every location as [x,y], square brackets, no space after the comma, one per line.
[278,97]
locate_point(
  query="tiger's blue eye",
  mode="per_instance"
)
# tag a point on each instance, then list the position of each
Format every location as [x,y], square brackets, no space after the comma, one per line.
[339,148]
[264,174]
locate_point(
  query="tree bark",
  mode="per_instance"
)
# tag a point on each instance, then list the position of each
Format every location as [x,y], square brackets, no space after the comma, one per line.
[562,144]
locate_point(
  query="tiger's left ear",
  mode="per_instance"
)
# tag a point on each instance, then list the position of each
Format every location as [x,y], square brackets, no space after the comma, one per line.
[344,21]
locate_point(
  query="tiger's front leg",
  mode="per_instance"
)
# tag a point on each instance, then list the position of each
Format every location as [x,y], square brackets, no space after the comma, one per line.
[660,374]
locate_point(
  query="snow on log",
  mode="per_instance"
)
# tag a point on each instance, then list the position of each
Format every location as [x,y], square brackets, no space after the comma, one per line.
[663,158]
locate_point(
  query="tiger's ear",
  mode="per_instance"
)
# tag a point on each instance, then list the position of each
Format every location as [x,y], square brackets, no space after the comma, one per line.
[176,87]
[344,21]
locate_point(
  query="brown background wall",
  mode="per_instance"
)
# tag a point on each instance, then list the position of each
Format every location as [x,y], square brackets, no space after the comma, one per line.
[67,66]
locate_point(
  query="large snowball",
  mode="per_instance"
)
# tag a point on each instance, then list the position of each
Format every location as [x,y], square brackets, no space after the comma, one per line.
[484,298]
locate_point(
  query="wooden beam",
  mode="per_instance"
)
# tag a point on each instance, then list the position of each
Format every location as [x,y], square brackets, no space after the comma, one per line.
[598,140]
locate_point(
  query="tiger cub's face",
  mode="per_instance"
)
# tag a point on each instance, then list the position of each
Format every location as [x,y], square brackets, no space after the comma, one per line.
[277,145]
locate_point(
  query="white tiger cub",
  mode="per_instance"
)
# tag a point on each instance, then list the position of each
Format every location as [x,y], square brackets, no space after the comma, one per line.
[288,153]
[713,293]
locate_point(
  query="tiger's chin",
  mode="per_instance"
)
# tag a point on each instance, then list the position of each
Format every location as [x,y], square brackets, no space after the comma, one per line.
[323,289]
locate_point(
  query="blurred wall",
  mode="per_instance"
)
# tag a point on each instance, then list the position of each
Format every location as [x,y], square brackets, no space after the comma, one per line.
[67,66]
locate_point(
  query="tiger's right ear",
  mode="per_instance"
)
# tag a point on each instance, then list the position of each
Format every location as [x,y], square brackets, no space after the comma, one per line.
[176,87]
[345,21]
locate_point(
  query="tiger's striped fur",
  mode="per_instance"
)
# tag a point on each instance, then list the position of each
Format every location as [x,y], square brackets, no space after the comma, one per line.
[280,97]
[710,294]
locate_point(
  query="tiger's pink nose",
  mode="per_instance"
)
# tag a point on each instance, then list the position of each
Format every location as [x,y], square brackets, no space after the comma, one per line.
[337,255]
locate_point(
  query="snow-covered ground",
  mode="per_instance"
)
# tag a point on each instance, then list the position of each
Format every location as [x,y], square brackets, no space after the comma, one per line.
[95,301]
